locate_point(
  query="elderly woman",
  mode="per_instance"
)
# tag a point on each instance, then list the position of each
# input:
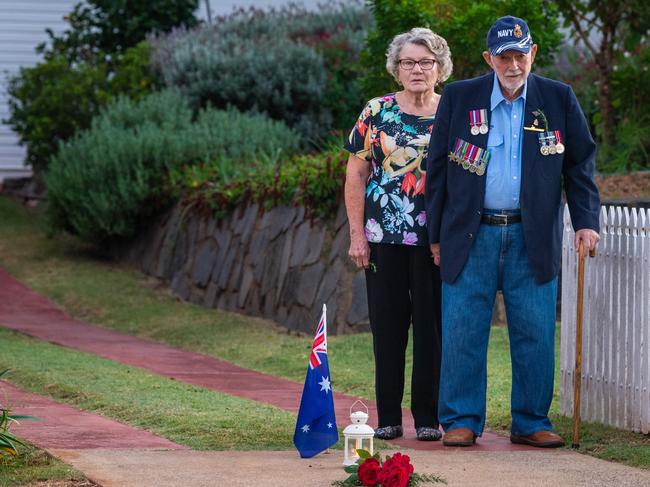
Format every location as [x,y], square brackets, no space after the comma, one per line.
[384,196]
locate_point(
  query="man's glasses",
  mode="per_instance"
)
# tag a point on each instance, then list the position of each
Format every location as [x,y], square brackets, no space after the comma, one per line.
[409,64]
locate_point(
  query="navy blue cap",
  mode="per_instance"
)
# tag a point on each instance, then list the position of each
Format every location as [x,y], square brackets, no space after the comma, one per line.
[509,34]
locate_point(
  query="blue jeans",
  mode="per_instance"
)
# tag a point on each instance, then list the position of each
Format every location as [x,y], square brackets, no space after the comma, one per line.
[497,260]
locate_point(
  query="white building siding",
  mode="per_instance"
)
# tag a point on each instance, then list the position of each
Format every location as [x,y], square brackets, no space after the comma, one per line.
[22,28]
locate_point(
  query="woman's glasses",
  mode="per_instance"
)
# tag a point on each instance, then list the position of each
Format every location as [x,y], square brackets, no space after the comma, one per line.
[409,64]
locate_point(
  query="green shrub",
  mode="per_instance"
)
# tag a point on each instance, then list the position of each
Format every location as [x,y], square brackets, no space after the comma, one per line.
[52,100]
[105,181]
[311,180]
[291,64]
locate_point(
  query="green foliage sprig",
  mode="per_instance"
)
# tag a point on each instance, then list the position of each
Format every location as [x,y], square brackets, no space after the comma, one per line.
[9,442]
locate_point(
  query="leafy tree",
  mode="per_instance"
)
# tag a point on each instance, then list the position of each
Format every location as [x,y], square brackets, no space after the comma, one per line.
[611,30]
[464,26]
[100,27]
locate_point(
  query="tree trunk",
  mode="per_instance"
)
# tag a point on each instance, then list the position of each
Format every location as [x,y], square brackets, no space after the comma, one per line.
[605,61]
[607,115]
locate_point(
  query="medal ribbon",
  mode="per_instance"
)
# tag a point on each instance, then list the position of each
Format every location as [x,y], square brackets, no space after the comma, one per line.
[464,150]
[558,137]
[472,154]
[483,116]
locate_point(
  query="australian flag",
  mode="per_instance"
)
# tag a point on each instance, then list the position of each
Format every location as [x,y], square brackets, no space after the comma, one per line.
[316,426]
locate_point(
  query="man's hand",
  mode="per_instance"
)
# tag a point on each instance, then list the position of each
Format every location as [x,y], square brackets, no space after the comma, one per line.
[435,253]
[360,251]
[589,239]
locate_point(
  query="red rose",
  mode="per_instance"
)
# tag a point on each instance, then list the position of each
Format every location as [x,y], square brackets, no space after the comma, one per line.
[369,472]
[401,460]
[394,475]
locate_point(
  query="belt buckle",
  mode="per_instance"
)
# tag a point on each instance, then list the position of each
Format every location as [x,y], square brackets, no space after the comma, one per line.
[502,220]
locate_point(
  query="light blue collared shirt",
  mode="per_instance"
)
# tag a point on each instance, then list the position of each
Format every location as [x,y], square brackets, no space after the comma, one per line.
[504,143]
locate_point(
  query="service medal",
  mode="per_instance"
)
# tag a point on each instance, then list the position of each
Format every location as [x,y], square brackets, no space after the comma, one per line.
[474,122]
[483,129]
[480,170]
[472,168]
[544,148]
[559,147]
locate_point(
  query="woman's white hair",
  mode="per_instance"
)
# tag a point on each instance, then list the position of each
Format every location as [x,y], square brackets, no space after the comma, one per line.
[420,36]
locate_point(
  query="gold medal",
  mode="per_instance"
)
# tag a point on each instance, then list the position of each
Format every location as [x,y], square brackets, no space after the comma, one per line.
[480,170]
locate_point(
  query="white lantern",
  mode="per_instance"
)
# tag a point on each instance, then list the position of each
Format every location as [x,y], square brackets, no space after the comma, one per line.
[358,435]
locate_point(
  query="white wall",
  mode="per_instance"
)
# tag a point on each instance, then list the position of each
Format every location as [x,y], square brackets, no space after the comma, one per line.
[22,28]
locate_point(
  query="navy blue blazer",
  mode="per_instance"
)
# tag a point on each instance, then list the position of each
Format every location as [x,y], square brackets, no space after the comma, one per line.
[454,196]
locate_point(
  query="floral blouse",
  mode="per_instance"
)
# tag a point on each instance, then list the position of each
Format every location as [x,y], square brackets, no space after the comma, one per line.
[395,143]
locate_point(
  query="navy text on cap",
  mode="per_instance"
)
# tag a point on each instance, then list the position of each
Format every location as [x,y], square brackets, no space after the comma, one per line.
[509,34]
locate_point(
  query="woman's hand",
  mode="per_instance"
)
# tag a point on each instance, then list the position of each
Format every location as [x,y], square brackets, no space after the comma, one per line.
[357,173]
[359,251]
[435,253]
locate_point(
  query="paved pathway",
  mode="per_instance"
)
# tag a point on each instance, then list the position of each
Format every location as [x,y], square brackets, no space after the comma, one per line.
[24,310]
[117,455]
[66,427]
[556,468]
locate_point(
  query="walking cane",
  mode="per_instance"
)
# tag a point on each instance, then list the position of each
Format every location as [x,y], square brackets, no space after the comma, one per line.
[577,373]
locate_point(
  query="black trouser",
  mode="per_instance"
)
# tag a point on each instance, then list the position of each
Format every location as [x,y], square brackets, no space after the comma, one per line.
[403,288]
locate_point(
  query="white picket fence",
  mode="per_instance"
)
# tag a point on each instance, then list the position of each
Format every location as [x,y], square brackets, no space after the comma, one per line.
[616,322]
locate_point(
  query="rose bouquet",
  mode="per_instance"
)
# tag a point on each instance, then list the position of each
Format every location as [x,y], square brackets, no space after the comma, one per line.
[394,471]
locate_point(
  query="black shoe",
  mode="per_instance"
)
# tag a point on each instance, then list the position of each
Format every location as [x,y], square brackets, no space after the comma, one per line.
[428,433]
[389,432]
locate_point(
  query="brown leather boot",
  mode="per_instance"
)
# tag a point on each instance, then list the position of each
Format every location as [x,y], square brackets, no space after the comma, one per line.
[459,437]
[540,439]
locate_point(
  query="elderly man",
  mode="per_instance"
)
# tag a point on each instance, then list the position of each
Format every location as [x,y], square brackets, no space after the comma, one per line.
[503,144]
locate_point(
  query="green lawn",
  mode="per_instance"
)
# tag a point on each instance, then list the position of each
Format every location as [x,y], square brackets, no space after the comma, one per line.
[186,414]
[115,296]
[33,465]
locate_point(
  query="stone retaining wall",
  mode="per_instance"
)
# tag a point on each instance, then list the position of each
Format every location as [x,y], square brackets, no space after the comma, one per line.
[278,264]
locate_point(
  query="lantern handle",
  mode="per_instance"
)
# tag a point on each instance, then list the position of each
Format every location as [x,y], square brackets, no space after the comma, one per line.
[358,401]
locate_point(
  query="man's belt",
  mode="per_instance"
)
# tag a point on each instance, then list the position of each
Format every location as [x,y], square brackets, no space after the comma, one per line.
[501,220]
